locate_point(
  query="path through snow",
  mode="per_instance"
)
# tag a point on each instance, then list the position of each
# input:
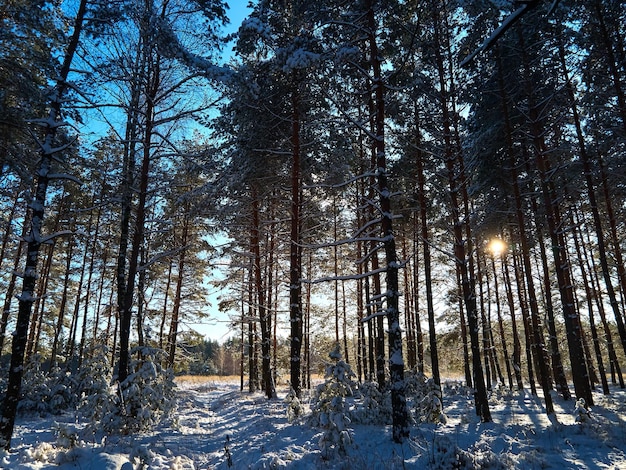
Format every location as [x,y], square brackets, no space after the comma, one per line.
[217,425]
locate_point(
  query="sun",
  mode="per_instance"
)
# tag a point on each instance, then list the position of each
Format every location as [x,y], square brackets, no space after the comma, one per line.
[496,246]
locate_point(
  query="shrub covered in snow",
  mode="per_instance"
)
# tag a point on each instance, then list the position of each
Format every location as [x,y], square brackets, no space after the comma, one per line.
[97,393]
[447,455]
[294,407]
[147,397]
[46,392]
[147,393]
[424,397]
[373,406]
[581,413]
[329,409]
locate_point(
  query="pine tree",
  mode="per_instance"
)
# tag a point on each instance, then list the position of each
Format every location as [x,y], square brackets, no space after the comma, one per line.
[34,237]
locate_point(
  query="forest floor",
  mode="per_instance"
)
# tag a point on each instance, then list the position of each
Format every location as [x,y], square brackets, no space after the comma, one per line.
[218,427]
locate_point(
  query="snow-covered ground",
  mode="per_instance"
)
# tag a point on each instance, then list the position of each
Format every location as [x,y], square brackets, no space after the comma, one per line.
[218,427]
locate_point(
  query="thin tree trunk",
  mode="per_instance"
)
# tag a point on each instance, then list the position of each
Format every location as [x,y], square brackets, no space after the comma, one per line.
[517,347]
[400,428]
[554,221]
[590,294]
[61,315]
[264,312]
[528,335]
[426,257]
[166,296]
[462,258]
[91,255]
[253,372]
[591,195]
[138,236]
[608,336]
[6,308]
[295,252]
[178,295]
[8,231]
[505,350]
[485,327]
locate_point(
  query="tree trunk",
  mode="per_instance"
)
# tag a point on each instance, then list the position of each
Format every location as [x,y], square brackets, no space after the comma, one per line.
[505,350]
[178,295]
[6,308]
[61,315]
[396,361]
[529,342]
[166,297]
[591,195]
[467,281]
[91,255]
[590,294]
[263,310]
[138,237]
[295,252]
[517,347]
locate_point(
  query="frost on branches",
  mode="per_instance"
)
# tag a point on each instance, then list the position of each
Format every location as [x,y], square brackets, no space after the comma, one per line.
[329,409]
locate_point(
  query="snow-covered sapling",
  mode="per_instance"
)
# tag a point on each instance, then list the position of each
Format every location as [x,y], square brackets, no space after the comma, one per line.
[581,413]
[374,406]
[426,398]
[329,410]
[294,407]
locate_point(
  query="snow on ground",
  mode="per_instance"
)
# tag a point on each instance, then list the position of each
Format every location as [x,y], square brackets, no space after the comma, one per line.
[218,427]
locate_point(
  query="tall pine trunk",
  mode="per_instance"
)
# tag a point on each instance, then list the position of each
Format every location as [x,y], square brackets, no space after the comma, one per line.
[295,252]
[461,256]
[396,361]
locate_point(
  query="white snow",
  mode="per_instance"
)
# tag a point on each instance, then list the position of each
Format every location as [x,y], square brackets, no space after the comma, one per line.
[216,423]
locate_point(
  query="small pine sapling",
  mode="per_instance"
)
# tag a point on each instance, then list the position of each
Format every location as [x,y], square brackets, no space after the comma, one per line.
[148,393]
[426,397]
[582,414]
[95,388]
[431,405]
[374,406]
[294,407]
[329,410]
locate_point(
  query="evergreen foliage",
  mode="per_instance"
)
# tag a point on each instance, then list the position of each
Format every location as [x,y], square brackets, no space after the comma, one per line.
[330,410]
[147,395]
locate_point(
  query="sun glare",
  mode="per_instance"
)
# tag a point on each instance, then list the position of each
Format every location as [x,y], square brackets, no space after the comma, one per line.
[496,247]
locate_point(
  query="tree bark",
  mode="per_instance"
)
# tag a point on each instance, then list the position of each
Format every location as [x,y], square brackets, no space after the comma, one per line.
[178,295]
[295,252]
[467,281]
[400,428]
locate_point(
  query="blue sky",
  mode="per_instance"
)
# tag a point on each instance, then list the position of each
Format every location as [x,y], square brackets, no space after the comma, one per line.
[236,13]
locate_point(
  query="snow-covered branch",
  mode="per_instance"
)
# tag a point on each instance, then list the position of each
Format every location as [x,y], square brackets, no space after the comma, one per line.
[349,277]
